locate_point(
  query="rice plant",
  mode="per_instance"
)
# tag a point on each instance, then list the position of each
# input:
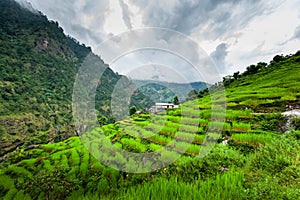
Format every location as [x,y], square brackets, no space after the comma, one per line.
[64,161]
[256,139]
[47,165]
[133,145]
[193,149]
[19,171]
[155,147]
[190,121]
[160,139]
[241,127]
[84,165]
[169,156]
[188,128]
[74,158]
[167,131]
[184,136]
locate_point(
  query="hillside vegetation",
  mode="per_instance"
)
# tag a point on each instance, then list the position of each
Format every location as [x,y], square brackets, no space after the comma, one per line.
[166,91]
[257,163]
[38,66]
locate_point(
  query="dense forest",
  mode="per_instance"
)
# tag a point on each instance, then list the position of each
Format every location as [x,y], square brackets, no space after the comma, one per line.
[254,156]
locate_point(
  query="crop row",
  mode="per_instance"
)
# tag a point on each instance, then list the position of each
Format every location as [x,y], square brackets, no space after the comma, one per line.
[255,139]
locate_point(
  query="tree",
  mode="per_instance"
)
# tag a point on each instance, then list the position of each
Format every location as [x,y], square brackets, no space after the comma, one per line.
[203,92]
[227,80]
[192,95]
[278,58]
[236,75]
[102,120]
[176,100]
[261,65]
[132,110]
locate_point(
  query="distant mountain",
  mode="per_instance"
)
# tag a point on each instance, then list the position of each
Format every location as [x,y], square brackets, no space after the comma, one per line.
[38,66]
[166,91]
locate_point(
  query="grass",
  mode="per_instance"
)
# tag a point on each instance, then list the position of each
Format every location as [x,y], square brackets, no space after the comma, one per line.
[223,186]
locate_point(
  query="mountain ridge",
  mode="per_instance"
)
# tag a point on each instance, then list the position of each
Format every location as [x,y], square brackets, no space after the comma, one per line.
[161,91]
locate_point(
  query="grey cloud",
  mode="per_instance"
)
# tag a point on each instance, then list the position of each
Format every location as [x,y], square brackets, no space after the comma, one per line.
[85,34]
[297,33]
[219,56]
[214,18]
[126,14]
[159,46]
[27,5]
[295,36]
[81,19]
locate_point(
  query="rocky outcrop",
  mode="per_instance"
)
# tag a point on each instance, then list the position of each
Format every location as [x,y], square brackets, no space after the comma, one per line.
[292,112]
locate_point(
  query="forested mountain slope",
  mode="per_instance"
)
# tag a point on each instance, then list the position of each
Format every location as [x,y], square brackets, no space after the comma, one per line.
[166,91]
[38,65]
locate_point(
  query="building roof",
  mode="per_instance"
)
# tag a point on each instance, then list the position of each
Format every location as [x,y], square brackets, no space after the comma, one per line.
[164,104]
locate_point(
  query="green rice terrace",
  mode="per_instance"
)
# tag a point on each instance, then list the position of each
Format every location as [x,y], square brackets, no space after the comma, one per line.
[252,158]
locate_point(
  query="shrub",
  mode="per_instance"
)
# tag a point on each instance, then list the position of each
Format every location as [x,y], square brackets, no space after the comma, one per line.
[53,185]
[296,123]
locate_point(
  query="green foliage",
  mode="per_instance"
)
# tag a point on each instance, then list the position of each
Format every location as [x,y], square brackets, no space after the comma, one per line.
[102,120]
[269,122]
[132,110]
[53,185]
[174,188]
[296,123]
[276,155]
[176,100]
[192,95]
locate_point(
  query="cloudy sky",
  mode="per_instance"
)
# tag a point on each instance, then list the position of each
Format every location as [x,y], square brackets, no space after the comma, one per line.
[233,33]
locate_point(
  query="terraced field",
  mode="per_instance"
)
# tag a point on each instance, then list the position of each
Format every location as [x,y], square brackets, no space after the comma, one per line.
[170,132]
[254,164]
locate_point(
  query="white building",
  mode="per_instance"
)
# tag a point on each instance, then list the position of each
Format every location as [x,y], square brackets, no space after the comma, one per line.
[160,107]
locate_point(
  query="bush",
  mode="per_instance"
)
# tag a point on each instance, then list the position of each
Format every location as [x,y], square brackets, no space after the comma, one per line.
[296,123]
[269,122]
[54,184]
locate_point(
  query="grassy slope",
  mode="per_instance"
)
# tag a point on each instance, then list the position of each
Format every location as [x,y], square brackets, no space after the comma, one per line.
[270,90]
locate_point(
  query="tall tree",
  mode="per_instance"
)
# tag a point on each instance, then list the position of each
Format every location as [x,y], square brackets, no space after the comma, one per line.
[176,100]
